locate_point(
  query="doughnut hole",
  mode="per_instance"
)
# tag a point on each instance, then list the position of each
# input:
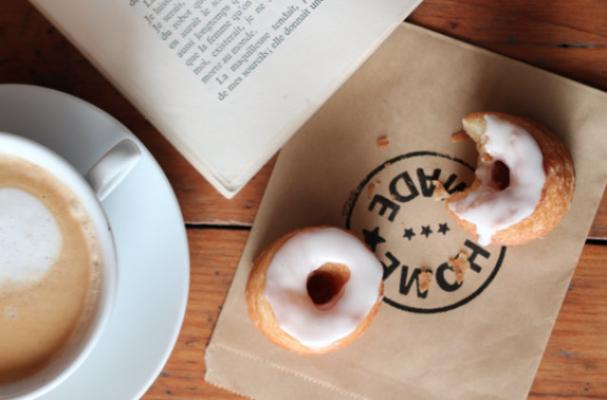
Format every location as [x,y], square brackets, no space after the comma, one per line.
[500,176]
[325,284]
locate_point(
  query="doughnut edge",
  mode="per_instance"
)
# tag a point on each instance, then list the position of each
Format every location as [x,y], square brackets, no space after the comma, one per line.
[557,192]
[260,310]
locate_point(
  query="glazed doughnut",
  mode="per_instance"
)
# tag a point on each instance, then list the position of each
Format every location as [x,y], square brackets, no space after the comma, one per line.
[314,290]
[524,181]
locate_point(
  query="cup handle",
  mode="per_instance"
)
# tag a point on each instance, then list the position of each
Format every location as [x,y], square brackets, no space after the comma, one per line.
[113,167]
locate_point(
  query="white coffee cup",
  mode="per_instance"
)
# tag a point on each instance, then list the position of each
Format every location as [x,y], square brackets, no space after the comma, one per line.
[103,177]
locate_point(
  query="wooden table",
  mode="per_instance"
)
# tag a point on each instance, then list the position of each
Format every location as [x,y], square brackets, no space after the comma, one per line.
[568,37]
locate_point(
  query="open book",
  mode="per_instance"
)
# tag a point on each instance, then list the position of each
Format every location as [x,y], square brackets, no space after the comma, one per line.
[227,81]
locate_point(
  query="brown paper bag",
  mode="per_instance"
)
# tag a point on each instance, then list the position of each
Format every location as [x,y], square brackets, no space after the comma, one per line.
[480,339]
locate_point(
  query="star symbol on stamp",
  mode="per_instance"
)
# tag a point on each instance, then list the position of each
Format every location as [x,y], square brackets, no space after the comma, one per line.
[409,233]
[443,228]
[426,231]
[373,238]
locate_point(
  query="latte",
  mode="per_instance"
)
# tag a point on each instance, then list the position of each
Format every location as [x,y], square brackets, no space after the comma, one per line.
[49,268]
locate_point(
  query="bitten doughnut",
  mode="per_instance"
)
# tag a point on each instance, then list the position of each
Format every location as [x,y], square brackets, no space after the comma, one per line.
[314,290]
[524,181]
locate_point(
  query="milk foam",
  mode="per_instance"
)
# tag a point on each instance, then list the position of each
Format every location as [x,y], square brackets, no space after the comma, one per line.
[10,313]
[30,238]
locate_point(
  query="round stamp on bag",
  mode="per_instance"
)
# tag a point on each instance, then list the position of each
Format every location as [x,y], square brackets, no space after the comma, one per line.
[430,264]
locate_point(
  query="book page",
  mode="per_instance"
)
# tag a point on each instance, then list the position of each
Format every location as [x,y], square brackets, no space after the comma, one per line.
[223,43]
[227,81]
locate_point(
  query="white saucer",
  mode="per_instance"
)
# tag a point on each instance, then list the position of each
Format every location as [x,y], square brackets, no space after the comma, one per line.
[150,240]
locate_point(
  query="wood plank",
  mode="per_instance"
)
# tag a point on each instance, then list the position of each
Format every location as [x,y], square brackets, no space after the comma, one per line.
[574,365]
[564,36]
[568,37]
[575,362]
[214,254]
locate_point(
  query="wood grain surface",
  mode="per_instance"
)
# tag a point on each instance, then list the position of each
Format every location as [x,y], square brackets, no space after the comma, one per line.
[568,37]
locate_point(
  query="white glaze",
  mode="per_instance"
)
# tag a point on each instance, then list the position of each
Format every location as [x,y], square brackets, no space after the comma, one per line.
[492,210]
[286,288]
[30,239]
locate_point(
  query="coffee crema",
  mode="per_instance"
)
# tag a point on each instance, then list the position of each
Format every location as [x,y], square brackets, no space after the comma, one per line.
[49,268]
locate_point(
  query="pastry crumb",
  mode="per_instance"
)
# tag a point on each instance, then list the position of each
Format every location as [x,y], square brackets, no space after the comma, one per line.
[460,265]
[440,193]
[459,136]
[486,158]
[425,279]
[383,141]
[370,189]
